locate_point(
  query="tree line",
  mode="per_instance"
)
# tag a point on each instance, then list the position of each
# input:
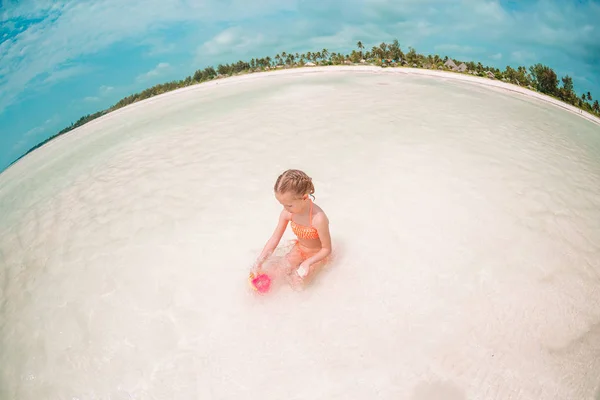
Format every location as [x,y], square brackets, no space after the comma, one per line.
[537,77]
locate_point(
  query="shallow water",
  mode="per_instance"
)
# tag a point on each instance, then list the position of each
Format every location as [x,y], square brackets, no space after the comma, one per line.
[466,220]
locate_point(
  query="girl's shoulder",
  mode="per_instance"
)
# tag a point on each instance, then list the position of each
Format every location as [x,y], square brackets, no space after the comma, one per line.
[319,215]
[285,215]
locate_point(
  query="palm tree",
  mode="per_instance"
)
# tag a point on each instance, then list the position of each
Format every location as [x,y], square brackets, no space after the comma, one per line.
[384,48]
[325,54]
[376,52]
[411,56]
[360,48]
[394,51]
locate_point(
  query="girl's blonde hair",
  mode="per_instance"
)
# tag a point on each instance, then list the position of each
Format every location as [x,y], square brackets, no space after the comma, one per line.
[295,181]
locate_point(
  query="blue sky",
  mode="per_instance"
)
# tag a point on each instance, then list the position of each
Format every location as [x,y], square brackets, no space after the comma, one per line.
[60,60]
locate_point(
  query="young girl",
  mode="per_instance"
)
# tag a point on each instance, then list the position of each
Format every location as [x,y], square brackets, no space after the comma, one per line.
[308,221]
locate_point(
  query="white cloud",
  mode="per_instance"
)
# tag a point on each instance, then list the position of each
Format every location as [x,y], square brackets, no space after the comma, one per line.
[159,70]
[488,9]
[457,48]
[347,35]
[20,145]
[159,46]
[104,90]
[65,73]
[32,134]
[521,56]
[497,56]
[27,10]
[232,40]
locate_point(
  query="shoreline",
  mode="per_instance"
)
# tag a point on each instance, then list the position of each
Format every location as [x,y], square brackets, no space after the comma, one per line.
[487,82]
[230,80]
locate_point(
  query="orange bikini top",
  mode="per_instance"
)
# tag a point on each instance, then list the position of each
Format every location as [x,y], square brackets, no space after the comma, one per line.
[305,232]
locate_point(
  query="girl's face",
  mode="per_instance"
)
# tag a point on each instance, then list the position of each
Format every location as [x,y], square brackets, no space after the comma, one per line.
[292,202]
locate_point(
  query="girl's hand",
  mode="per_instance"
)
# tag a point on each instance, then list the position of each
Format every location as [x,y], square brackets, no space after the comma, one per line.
[256,267]
[303,269]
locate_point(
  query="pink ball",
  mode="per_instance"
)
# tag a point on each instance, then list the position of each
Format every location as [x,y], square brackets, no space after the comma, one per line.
[262,283]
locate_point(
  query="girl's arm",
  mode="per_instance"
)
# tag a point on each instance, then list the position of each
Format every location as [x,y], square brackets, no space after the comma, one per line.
[275,237]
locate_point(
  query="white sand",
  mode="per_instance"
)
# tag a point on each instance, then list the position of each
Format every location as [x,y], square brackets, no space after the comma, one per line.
[467,222]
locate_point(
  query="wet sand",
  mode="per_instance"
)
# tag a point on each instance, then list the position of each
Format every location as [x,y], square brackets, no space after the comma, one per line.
[466,220]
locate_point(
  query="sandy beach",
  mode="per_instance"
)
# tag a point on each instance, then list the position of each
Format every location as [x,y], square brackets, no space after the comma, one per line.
[490,83]
[464,213]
